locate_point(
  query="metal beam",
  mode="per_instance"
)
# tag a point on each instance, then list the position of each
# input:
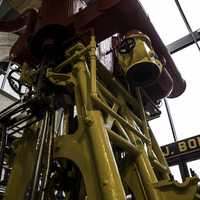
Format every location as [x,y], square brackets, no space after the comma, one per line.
[186,23]
[183,42]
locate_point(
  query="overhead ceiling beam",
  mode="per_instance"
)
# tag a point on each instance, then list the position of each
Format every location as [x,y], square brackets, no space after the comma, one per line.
[183,42]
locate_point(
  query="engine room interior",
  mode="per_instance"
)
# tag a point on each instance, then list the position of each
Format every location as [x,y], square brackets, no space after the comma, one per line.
[94,100]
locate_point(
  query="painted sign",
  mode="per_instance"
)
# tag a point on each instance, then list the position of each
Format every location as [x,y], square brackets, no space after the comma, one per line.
[186,149]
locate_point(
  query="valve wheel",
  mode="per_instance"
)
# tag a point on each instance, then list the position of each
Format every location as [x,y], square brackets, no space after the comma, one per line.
[15,82]
[127,45]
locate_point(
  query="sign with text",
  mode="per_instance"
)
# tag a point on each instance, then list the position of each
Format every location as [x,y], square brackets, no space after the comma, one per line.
[187,149]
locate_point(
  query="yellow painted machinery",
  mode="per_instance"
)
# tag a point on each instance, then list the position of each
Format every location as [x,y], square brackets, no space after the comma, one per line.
[84,133]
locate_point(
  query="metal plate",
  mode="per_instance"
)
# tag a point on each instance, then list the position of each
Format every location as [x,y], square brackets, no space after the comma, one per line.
[5,100]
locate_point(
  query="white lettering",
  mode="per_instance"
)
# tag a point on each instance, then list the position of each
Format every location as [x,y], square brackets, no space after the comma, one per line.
[192,143]
[166,151]
[182,146]
[198,139]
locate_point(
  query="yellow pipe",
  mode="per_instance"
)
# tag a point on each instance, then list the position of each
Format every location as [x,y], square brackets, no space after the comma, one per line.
[123,143]
[72,58]
[108,177]
[119,118]
[161,168]
[148,176]
[121,130]
[108,94]
[93,65]
[142,113]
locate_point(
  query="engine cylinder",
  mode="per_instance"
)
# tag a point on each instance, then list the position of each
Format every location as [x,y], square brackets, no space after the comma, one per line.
[138,60]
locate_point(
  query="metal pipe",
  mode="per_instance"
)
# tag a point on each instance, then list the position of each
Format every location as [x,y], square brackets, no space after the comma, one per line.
[157,150]
[3,145]
[119,118]
[93,65]
[114,99]
[20,121]
[12,111]
[170,120]
[143,114]
[150,100]
[187,23]
[121,129]
[113,85]
[43,131]
[49,154]
[122,143]
[108,94]
[72,58]
[23,127]
[183,170]
[58,130]
[161,168]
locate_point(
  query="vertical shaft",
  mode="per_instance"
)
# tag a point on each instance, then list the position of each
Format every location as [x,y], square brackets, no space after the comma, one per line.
[108,176]
[170,120]
[49,153]
[43,130]
[3,145]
